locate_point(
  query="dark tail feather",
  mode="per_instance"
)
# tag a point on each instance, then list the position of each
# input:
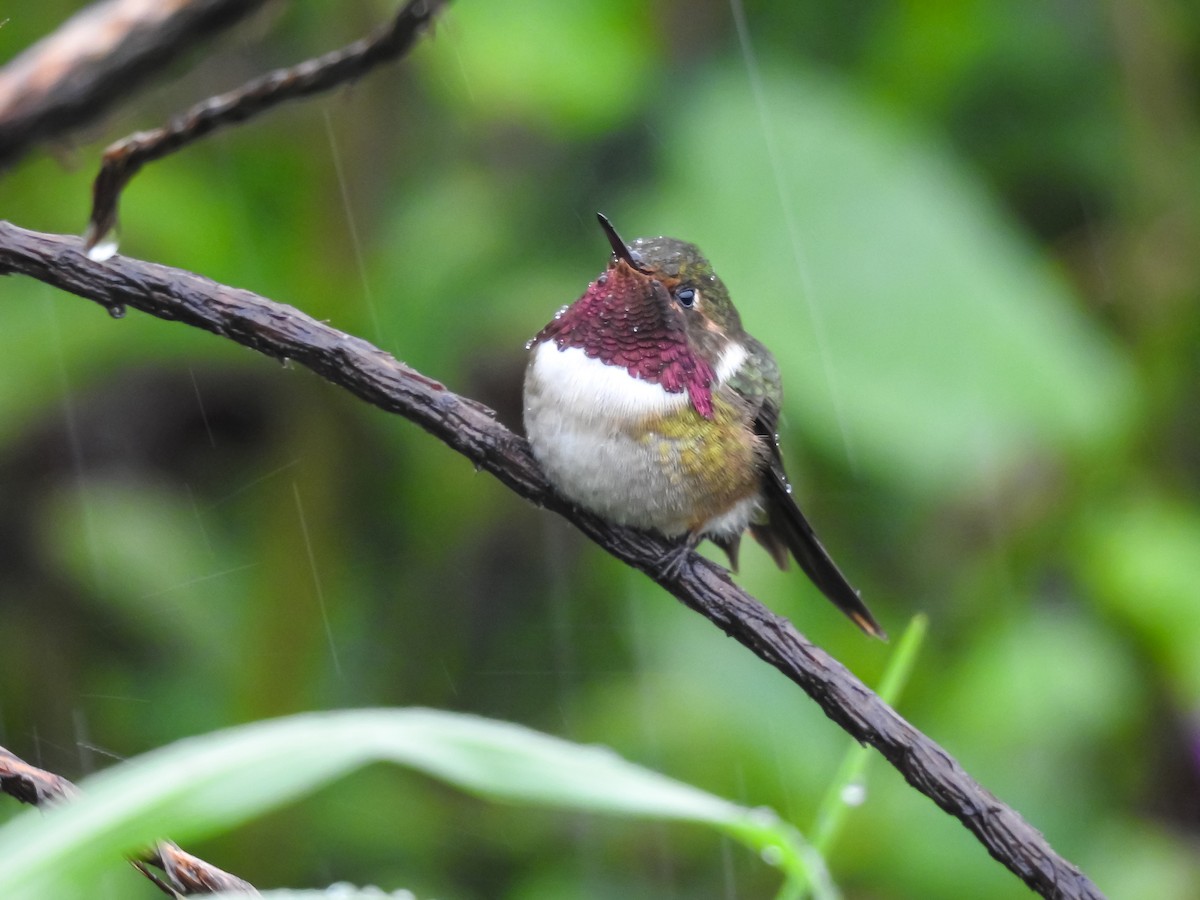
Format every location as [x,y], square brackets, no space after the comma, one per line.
[787,527]
[729,544]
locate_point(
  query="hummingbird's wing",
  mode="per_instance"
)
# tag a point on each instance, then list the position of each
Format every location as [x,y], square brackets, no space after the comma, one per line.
[786,521]
[786,528]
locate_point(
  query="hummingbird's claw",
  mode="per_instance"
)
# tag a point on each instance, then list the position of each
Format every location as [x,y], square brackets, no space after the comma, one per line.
[676,559]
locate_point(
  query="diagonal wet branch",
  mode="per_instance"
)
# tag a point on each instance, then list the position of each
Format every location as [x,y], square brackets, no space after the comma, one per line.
[182,873]
[470,428]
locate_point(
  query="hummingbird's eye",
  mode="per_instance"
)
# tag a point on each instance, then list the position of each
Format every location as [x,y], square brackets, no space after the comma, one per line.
[686,296]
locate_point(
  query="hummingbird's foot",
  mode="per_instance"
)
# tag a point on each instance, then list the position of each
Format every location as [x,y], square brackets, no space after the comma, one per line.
[675,558]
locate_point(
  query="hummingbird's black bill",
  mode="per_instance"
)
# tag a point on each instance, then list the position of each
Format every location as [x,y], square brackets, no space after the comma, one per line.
[619,247]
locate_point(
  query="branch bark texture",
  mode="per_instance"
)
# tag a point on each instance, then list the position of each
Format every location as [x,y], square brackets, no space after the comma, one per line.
[182,873]
[470,428]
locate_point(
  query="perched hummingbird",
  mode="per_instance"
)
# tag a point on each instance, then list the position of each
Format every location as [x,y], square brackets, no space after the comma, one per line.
[647,403]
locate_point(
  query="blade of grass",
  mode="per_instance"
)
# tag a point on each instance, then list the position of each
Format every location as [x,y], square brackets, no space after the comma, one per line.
[848,787]
[210,784]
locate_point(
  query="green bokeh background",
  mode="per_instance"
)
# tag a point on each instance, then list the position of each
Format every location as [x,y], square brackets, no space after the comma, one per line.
[967,230]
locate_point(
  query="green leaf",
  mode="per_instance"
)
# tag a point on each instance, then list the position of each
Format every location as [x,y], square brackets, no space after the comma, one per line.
[1139,557]
[129,542]
[849,785]
[592,61]
[207,784]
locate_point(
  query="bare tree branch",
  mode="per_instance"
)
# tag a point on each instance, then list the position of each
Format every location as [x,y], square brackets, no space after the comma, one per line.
[74,74]
[470,428]
[123,159]
[183,874]
[29,784]
[191,875]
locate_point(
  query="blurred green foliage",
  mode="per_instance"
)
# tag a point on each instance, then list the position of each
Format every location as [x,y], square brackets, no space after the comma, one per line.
[967,230]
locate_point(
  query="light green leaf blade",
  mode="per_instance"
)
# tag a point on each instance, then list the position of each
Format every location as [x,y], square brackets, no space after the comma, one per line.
[206,784]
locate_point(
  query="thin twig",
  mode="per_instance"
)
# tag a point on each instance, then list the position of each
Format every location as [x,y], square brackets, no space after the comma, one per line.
[470,428]
[123,159]
[183,875]
[90,63]
[191,875]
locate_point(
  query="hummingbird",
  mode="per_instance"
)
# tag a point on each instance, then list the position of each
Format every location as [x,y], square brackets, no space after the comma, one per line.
[647,403]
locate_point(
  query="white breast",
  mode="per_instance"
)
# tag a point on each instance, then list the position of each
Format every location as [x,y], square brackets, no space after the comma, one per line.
[580,417]
[587,387]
